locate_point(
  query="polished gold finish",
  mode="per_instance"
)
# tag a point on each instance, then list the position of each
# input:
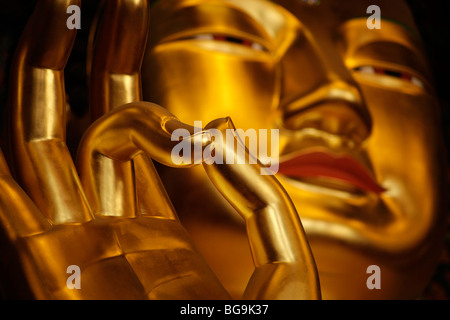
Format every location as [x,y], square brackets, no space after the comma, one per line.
[361,149]
[111,216]
[361,155]
[43,163]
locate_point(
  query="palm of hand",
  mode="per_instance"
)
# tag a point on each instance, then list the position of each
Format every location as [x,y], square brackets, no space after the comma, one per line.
[138,258]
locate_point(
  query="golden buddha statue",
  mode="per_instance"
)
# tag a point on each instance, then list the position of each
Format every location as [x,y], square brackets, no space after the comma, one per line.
[360,179]
[360,145]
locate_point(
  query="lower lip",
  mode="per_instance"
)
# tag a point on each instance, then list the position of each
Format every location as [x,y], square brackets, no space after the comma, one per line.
[325,166]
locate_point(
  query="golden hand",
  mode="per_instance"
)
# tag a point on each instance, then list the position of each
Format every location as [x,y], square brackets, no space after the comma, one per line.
[116,223]
[114,254]
[119,258]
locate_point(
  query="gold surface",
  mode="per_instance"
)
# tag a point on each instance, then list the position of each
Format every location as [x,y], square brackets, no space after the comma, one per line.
[109,214]
[314,73]
[361,178]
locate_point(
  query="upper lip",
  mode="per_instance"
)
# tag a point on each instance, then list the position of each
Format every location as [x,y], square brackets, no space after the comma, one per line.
[323,164]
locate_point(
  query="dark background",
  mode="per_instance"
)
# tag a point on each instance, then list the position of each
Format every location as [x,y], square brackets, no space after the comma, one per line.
[432,18]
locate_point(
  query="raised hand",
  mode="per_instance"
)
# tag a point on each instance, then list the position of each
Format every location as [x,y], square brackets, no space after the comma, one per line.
[118,258]
[116,222]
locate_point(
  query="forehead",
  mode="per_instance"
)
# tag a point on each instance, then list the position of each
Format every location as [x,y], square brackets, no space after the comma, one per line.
[333,13]
[343,10]
[321,14]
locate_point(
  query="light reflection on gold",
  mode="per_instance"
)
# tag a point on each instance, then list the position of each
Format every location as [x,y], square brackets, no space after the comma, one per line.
[355,106]
[330,85]
[109,214]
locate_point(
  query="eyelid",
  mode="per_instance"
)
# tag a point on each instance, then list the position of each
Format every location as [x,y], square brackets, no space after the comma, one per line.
[206,17]
[255,45]
[392,72]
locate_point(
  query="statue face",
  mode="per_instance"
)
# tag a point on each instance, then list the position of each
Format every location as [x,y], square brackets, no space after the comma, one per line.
[360,149]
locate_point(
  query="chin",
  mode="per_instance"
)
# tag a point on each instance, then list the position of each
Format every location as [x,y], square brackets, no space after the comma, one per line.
[344,271]
[350,231]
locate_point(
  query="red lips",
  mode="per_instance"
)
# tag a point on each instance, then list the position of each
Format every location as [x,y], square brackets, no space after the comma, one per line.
[319,164]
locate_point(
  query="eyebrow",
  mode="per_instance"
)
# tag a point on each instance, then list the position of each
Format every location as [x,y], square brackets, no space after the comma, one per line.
[397,22]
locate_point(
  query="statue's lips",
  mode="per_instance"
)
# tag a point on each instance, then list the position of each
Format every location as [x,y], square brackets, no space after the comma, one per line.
[319,164]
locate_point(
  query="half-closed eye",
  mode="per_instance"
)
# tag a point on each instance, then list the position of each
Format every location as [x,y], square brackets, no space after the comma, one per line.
[226,38]
[367,69]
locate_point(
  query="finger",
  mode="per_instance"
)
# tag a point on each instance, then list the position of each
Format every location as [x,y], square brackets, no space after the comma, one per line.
[117,51]
[46,41]
[117,48]
[152,197]
[277,240]
[19,217]
[43,164]
[122,135]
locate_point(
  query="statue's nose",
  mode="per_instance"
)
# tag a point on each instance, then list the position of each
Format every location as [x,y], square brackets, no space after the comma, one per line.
[318,90]
[336,108]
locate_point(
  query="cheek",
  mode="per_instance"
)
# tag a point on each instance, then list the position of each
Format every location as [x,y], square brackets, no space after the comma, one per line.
[198,85]
[404,149]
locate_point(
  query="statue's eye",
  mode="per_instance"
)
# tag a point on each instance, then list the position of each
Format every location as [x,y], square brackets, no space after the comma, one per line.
[391,73]
[231,39]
